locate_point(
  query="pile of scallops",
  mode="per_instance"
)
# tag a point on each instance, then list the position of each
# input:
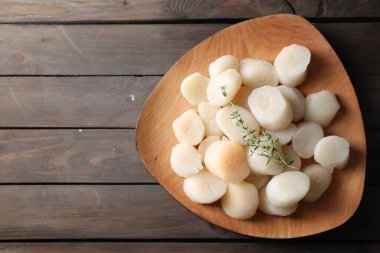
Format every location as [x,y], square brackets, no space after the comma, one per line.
[216,161]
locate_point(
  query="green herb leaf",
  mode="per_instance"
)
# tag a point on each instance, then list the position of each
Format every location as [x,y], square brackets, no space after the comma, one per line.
[254,142]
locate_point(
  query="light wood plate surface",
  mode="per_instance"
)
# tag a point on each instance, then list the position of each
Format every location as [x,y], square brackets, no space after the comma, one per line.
[261,38]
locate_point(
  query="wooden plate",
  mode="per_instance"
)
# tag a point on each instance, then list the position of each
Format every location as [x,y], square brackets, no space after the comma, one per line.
[261,38]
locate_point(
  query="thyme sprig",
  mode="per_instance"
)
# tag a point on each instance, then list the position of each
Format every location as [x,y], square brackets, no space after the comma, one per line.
[263,144]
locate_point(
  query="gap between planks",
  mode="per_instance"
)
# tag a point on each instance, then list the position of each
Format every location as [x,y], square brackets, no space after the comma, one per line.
[189,21]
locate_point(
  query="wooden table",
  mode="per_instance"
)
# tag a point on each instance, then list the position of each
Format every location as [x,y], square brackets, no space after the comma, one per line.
[74,77]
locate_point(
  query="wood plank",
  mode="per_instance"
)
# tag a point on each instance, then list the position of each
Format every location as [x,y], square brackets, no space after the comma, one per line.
[96,156]
[349,40]
[135,10]
[336,8]
[131,50]
[367,88]
[73,101]
[96,49]
[87,212]
[373,159]
[72,155]
[150,247]
[31,212]
[132,10]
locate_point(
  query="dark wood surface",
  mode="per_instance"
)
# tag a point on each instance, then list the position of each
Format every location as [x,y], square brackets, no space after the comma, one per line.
[187,247]
[142,10]
[96,156]
[111,101]
[73,78]
[137,212]
[147,49]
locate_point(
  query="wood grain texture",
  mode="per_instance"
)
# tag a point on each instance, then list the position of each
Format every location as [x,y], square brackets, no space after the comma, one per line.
[96,156]
[111,101]
[35,94]
[367,88]
[144,212]
[366,36]
[373,159]
[102,211]
[150,247]
[325,72]
[146,49]
[70,156]
[336,8]
[73,101]
[135,10]
[135,212]
[96,49]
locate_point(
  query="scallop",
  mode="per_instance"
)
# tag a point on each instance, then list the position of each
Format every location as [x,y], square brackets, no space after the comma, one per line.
[227,160]
[267,207]
[229,80]
[270,108]
[188,128]
[291,64]
[284,136]
[212,129]
[256,73]
[222,64]
[259,164]
[332,152]
[185,160]
[305,139]
[296,100]
[240,201]
[320,179]
[288,188]
[291,156]
[194,87]
[205,144]
[258,180]
[207,113]
[228,124]
[204,188]
[321,107]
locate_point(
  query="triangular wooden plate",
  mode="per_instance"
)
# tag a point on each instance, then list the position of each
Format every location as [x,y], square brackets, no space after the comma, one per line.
[261,38]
